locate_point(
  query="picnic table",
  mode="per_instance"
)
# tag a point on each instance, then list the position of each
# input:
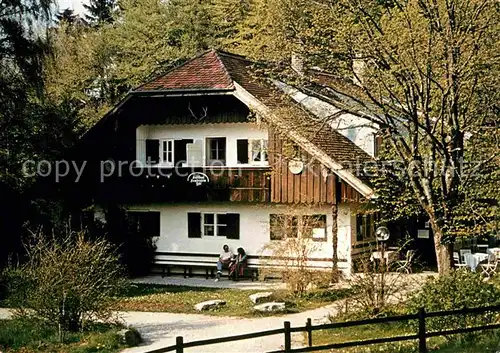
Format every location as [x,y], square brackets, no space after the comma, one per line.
[473,260]
[389,256]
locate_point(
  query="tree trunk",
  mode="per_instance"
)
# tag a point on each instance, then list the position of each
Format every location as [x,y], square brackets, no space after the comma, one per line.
[335,266]
[443,251]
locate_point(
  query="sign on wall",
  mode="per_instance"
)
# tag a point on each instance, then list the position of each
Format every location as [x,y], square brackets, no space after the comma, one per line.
[198,178]
[296,166]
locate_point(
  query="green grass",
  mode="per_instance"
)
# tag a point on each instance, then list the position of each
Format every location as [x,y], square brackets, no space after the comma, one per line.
[484,343]
[22,336]
[179,299]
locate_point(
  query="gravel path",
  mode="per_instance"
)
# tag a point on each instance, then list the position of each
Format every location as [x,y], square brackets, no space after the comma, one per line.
[160,329]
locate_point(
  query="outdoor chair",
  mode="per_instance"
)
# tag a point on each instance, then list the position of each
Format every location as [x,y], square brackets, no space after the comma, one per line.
[457,262]
[405,265]
[490,269]
[482,247]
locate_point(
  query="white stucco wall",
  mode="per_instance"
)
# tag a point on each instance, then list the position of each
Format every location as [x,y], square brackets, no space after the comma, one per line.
[359,130]
[231,131]
[254,228]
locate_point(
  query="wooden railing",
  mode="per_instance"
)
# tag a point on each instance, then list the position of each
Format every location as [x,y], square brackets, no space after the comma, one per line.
[287,330]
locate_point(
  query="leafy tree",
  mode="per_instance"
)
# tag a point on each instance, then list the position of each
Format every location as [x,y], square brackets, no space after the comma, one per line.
[20,75]
[31,126]
[80,72]
[428,73]
[69,17]
[100,11]
[66,15]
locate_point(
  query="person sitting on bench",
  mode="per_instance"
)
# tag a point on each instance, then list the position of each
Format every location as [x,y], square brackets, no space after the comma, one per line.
[237,268]
[225,259]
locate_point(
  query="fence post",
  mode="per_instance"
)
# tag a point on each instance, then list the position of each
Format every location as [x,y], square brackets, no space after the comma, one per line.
[309,332]
[179,344]
[288,337]
[422,344]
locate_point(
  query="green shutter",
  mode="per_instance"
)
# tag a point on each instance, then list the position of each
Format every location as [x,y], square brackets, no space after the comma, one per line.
[152,151]
[242,151]
[233,226]
[194,225]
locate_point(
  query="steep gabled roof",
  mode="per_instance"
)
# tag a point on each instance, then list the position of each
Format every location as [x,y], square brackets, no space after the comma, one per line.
[204,72]
[219,71]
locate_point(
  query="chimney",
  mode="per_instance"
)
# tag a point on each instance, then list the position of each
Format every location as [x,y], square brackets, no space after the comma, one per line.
[298,63]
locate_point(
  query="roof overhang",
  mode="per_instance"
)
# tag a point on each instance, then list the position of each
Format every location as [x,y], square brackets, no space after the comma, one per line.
[182,93]
[256,105]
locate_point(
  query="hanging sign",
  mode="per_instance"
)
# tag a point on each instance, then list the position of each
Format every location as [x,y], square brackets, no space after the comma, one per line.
[198,178]
[295,166]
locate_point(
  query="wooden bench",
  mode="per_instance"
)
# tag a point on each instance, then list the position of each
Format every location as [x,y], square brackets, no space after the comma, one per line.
[190,261]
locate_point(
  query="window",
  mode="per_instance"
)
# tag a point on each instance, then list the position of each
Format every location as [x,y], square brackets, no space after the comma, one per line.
[289,226]
[314,226]
[167,152]
[282,227]
[258,151]
[214,225]
[144,223]
[365,226]
[216,150]
[252,151]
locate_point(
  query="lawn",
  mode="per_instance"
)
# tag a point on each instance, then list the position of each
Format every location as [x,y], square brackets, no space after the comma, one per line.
[21,336]
[179,299]
[485,343]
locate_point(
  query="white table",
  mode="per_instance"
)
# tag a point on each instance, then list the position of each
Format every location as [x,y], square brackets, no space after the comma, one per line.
[389,255]
[473,260]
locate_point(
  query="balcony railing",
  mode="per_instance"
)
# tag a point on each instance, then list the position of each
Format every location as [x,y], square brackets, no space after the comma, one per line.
[189,184]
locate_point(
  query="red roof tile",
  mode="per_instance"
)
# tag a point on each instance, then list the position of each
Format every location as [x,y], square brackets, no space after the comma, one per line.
[205,72]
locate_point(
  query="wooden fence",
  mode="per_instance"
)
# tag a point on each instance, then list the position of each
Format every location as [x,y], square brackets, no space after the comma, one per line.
[287,330]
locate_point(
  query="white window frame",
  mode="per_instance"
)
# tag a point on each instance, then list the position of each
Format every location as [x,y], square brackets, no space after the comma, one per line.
[207,150]
[216,224]
[167,155]
[264,143]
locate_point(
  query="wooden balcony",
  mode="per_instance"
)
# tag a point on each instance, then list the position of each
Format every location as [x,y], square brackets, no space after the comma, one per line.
[188,185]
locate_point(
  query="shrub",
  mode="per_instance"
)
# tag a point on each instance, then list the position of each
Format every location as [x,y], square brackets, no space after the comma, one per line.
[291,255]
[375,290]
[68,283]
[457,290]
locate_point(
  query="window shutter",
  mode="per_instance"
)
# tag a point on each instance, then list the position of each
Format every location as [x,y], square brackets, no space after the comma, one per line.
[233,226]
[242,151]
[194,225]
[150,224]
[180,150]
[152,151]
[195,153]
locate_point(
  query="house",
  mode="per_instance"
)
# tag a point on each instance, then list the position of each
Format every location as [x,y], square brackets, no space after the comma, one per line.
[210,154]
